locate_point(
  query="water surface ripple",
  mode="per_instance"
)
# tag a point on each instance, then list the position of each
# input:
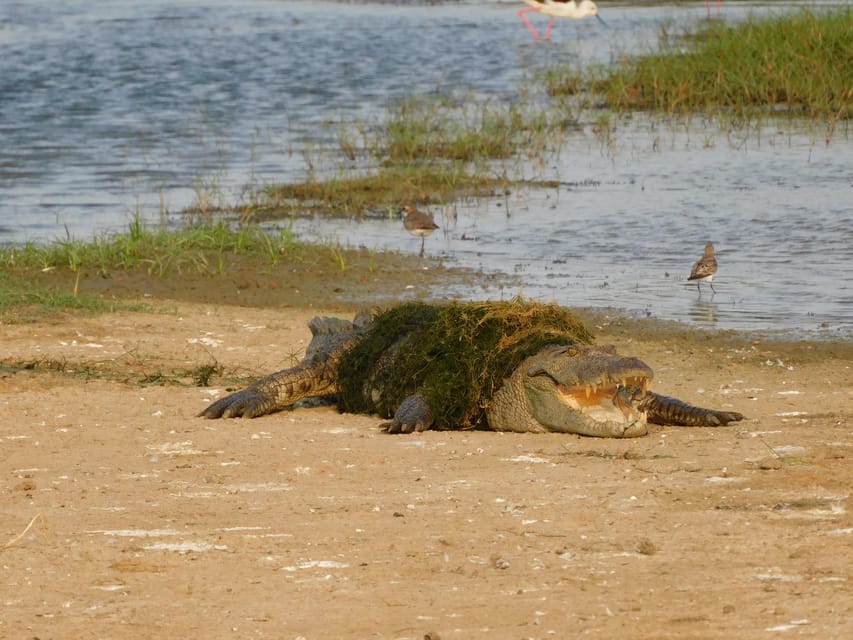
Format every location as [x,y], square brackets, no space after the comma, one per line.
[110,109]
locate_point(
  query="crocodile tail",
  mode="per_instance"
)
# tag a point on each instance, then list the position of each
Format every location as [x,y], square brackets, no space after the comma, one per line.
[665,410]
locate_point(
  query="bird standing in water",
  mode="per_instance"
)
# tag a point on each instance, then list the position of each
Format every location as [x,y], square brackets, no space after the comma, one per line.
[705,268]
[574,9]
[418,224]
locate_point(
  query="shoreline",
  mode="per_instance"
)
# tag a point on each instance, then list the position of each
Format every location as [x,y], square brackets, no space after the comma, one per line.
[366,278]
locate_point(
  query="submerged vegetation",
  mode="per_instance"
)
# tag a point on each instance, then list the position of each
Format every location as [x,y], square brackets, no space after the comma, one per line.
[797,64]
[439,128]
[432,149]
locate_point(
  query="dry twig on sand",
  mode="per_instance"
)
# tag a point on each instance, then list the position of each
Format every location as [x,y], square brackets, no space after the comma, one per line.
[22,534]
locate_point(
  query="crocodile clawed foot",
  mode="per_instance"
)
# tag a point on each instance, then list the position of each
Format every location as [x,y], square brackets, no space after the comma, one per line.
[395,426]
[242,404]
[412,415]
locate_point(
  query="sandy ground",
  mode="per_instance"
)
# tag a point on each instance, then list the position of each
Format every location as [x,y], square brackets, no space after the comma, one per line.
[124,516]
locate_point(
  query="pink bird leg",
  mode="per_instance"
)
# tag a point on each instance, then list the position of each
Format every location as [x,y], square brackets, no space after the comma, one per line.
[526,22]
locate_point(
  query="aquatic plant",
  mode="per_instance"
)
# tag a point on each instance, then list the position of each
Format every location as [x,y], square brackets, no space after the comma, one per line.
[428,149]
[798,64]
[376,191]
[443,127]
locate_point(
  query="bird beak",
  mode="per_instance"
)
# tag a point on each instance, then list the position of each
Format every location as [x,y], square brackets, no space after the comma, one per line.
[600,19]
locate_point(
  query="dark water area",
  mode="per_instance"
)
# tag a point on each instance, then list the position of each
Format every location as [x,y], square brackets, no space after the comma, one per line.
[114,109]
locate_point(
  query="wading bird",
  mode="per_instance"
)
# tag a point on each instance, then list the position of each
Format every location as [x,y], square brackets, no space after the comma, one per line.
[419,224]
[574,9]
[705,268]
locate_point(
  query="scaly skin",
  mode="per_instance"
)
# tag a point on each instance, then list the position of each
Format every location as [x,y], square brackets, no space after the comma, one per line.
[580,389]
[547,392]
[277,391]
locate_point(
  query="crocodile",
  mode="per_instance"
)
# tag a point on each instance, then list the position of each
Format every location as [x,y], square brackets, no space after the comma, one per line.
[506,366]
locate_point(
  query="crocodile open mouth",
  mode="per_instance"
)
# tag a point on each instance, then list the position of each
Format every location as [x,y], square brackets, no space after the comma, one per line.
[607,401]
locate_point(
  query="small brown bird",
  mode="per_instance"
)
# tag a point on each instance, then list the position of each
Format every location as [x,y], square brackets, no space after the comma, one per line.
[418,224]
[705,268]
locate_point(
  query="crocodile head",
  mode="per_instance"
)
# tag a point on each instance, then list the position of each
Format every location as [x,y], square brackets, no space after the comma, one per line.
[589,390]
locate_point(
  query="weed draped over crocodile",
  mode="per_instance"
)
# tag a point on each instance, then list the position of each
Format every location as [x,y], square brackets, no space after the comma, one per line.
[456,355]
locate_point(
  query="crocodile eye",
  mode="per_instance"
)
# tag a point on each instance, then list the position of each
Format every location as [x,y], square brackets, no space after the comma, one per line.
[572,352]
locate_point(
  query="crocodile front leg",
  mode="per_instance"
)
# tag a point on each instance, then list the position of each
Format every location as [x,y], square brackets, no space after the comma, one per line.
[413,414]
[672,411]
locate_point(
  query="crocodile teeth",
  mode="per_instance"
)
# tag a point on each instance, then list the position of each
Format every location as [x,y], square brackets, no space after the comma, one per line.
[588,392]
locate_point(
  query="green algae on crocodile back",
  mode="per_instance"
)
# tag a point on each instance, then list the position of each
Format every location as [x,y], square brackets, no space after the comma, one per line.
[456,355]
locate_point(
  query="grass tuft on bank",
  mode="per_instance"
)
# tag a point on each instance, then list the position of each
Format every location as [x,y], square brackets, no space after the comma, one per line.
[38,279]
[25,299]
[203,249]
[796,64]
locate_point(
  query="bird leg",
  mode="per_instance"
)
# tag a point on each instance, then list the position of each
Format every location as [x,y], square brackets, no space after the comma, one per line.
[548,31]
[526,22]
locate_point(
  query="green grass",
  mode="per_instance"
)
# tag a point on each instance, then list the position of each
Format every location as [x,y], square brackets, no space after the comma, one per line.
[36,280]
[377,192]
[434,128]
[23,299]
[799,64]
[204,249]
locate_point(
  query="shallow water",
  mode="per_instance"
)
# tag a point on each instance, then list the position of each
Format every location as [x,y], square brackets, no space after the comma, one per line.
[113,108]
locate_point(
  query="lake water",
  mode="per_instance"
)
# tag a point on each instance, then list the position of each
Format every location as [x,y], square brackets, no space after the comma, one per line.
[113,108]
